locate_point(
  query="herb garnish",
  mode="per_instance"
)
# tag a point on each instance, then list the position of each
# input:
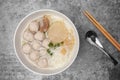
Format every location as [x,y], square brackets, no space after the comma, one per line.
[50,44]
[49,52]
[53,46]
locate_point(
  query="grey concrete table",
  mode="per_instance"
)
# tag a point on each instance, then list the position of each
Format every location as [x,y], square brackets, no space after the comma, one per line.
[90,64]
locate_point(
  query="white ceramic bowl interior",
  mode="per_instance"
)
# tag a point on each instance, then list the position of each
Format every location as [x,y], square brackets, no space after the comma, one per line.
[17,42]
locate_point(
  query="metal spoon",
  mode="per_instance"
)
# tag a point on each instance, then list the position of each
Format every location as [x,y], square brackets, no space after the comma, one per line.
[91,37]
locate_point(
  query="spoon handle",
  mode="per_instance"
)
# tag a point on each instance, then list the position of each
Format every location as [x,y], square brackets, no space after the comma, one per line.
[110,57]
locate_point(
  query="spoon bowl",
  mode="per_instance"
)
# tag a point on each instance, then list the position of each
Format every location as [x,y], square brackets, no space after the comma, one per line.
[92,38]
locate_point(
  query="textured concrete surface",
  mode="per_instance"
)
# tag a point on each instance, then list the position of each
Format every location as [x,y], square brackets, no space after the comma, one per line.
[90,64]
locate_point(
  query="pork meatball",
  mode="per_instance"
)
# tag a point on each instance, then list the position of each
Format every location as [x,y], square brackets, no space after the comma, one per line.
[28,36]
[43,52]
[39,36]
[43,62]
[36,45]
[34,26]
[34,55]
[26,48]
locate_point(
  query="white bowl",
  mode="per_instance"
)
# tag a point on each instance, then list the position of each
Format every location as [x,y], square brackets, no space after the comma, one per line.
[17,42]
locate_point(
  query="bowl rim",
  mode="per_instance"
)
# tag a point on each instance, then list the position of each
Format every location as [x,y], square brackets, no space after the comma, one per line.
[77,36]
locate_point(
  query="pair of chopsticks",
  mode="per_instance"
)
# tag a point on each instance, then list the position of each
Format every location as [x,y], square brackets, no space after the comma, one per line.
[101,28]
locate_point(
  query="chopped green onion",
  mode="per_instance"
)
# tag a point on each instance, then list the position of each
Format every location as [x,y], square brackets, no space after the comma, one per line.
[57,45]
[54,46]
[50,44]
[49,52]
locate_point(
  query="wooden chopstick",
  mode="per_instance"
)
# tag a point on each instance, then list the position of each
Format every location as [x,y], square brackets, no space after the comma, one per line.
[101,28]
